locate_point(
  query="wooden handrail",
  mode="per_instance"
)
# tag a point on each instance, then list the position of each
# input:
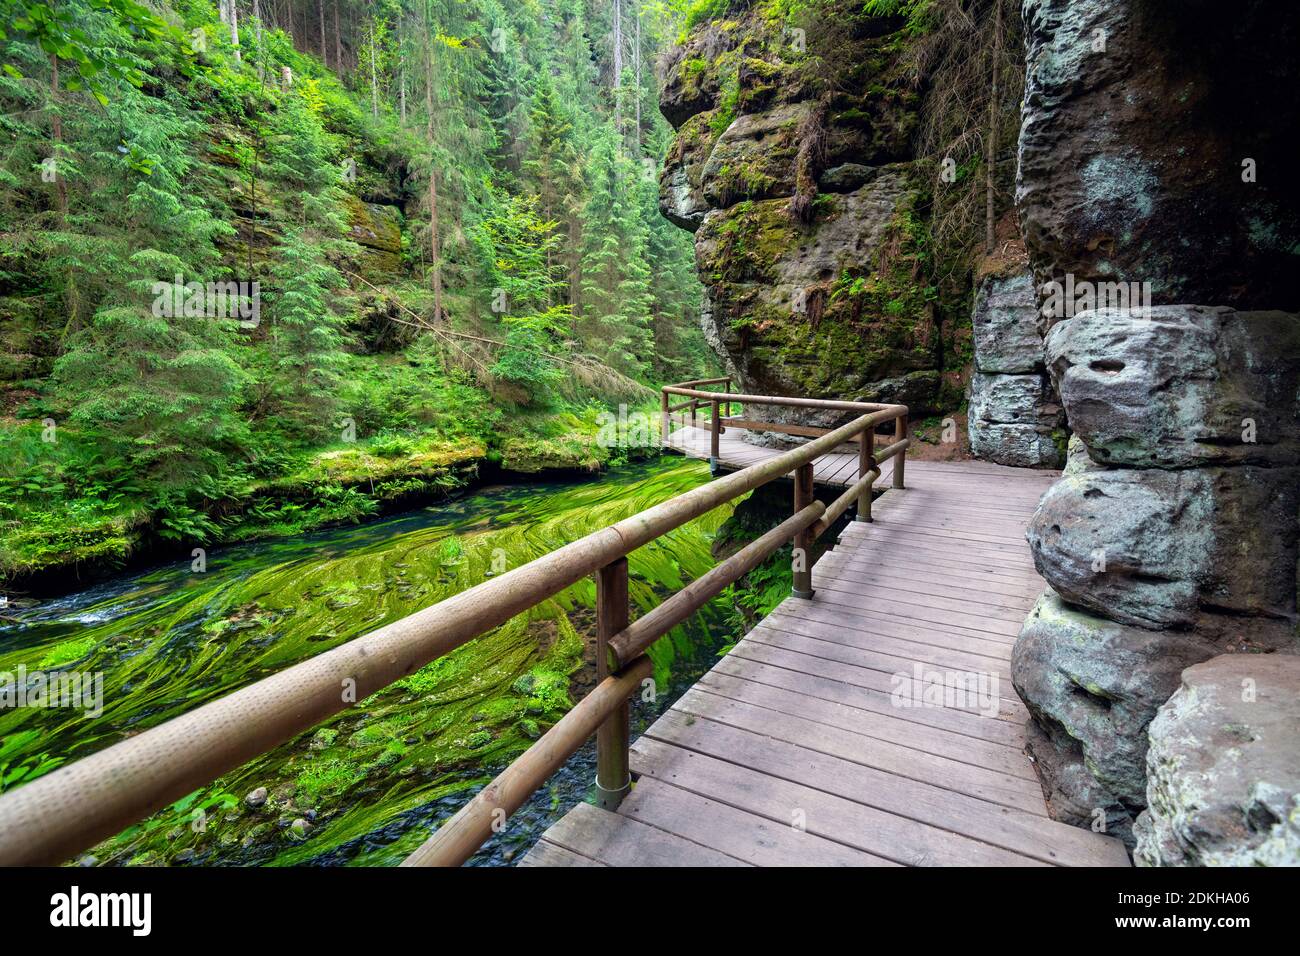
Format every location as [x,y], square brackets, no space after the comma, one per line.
[71,809]
[474,823]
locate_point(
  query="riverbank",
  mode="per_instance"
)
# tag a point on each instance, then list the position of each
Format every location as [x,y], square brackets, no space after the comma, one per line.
[49,550]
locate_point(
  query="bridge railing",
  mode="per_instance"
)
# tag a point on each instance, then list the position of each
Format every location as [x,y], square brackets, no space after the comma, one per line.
[71,809]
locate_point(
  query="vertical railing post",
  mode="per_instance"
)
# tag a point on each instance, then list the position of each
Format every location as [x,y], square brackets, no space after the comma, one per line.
[726,387]
[716,431]
[899,434]
[665,425]
[866,455]
[801,563]
[613,773]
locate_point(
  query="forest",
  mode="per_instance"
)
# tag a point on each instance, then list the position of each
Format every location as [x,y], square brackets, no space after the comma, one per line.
[272,266]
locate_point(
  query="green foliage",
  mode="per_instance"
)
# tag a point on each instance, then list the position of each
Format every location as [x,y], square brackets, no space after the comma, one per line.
[161,161]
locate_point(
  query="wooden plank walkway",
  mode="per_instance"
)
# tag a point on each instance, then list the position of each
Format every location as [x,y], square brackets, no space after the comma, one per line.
[838,470]
[794,749]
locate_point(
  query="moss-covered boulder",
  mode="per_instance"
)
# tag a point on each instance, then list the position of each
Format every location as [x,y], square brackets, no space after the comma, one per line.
[377,231]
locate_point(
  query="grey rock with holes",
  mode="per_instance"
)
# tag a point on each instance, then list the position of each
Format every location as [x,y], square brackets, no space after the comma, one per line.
[1153,548]
[1224,767]
[1014,399]
[1013,416]
[1181,385]
[1004,324]
[1020,446]
[1095,685]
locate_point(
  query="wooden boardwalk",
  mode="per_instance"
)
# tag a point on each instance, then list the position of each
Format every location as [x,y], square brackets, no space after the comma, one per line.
[795,750]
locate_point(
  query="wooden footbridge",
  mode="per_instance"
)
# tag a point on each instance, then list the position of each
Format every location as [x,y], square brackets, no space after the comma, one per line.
[868,721]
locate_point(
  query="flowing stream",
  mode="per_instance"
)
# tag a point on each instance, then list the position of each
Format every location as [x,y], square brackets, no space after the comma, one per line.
[366,786]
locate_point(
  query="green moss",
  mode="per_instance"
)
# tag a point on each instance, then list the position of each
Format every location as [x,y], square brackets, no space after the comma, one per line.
[67,653]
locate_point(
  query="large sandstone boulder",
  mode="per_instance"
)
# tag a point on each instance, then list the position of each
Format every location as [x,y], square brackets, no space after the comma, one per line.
[781,312]
[1181,385]
[1013,416]
[1134,145]
[1004,319]
[1153,548]
[1015,420]
[689,86]
[1224,767]
[755,156]
[1095,685]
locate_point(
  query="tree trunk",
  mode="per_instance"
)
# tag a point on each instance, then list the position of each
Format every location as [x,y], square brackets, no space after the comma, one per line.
[618,66]
[434,255]
[261,58]
[56,133]
[234,29]
[434,252]
[636,68]
[374,83]
[991,146]
[338,42]
[61,187]
[320,7]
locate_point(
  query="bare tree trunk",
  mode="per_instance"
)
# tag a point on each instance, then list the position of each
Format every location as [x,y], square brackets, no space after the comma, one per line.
[636,68]
[234,29]
[61,187]
[618,66]
[374,83]
[56,133]
[257,24]
[991,144]
[434,255]
[324,57]
[338,42]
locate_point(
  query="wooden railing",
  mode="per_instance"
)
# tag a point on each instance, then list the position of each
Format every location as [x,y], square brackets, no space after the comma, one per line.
[57,816]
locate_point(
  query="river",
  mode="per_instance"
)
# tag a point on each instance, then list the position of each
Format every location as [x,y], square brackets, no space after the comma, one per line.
[367,786]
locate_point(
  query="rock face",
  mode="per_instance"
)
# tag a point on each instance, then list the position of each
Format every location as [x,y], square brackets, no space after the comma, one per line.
[1014,417]
[1094,687]
[1224,781]
[377,231]
[794,168]
[1134,148]
[1172,537]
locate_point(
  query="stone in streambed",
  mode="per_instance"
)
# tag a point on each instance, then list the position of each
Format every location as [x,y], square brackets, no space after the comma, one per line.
[255,798]
[1224,767]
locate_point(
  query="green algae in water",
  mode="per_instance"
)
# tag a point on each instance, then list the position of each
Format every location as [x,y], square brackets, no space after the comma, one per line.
[170,640]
